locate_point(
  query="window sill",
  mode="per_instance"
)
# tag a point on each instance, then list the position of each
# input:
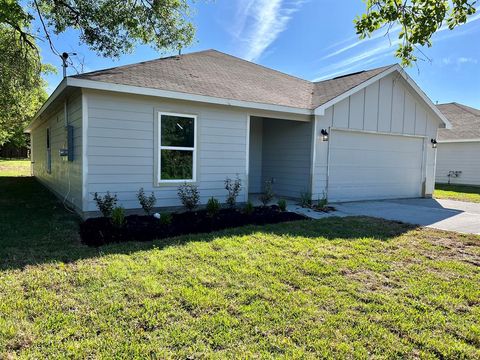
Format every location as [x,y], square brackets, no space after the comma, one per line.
[174,183]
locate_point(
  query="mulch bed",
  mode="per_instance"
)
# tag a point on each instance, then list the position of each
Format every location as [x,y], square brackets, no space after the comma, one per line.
[101,231]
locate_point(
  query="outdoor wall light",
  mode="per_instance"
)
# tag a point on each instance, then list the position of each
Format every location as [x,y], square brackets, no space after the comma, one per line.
[434,143]
[324,135]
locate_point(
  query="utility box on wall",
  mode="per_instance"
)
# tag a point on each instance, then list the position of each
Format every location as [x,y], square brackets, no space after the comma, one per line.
[68,152]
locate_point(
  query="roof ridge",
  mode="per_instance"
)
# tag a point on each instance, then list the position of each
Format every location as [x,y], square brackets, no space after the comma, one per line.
[356,73]
[142,62]
[262,66]
[468,109]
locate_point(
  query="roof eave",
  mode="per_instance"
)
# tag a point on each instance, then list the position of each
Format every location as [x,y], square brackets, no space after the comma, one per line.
[138,90]
[448,141]
[56,93]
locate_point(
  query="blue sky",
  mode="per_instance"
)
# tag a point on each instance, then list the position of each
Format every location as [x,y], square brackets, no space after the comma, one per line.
[311,39]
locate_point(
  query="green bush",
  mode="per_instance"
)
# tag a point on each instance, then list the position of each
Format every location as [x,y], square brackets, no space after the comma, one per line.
[282,204]
[306,199]
[233,187]
[267,194]
[323,201]
[118,216]
[189,195]
[105,203]
[147,202]
[165,218]
[213,206]
[248,208]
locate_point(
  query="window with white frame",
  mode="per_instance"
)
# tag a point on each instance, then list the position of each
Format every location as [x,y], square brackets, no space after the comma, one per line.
[177,142]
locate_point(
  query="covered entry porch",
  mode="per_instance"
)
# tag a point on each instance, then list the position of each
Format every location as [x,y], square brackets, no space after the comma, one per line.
[280,151]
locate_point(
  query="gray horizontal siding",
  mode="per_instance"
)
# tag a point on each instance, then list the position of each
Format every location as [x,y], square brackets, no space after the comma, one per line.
[65,179]
[121,147]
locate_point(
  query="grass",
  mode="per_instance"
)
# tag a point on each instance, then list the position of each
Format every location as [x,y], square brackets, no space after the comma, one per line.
[334,288]
[468,193]
[14,167]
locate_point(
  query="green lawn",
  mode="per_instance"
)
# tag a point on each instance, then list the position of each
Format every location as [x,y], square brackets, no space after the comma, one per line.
[14,167]
[457,192]
[334,288]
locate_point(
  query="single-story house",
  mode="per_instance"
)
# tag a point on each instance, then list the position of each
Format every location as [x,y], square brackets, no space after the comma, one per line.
[205,116]
[458,155]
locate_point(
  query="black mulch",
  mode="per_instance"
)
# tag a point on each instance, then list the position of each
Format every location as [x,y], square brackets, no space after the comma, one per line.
[100,231]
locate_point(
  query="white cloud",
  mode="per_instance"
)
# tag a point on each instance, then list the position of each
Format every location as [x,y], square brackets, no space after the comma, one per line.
[260,22]
[393,32]
[378,46]
[362,58]
[463,60]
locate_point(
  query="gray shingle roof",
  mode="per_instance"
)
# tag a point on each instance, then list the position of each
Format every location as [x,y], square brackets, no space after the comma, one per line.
[464,119]
[327,90]
[213,73]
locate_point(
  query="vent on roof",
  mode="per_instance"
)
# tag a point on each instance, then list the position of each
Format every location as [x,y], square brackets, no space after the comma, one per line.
[342,76]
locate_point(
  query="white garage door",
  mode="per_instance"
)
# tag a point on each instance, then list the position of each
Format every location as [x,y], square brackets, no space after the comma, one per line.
[367,166]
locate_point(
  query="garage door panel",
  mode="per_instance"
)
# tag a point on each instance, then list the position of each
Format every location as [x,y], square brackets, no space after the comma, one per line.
[367,166]
[370,158]
[373,176]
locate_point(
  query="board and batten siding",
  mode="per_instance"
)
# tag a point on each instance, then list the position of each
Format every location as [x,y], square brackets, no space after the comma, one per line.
[387,106]
[286,156]
[460,156]
[65,179]
[121,148]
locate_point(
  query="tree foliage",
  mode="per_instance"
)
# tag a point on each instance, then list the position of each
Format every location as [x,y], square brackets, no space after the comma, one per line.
[109,27]
[22,90]
[418,20]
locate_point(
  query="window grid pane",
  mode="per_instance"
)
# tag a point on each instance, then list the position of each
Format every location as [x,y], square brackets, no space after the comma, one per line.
[177,131]
[176,164]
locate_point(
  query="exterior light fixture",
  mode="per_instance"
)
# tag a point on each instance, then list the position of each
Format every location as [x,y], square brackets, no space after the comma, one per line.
[434,143]
[324,135]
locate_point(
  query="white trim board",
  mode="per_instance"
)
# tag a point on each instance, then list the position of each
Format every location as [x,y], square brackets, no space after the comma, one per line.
[452,141]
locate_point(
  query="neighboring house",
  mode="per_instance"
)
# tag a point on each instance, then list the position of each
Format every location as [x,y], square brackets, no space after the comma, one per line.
[458,155]
[205,116]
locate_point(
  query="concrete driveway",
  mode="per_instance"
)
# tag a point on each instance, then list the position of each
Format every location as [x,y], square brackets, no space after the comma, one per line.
[459,216]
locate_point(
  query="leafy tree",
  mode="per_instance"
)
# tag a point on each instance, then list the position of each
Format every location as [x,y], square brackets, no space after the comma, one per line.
[109,27]
[418,20]
[22,90]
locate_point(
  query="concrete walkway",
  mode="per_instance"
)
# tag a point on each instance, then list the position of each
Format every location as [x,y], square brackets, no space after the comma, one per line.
[459,216]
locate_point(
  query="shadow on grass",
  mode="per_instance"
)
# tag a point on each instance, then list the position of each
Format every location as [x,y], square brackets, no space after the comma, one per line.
[35,228]
[469,189]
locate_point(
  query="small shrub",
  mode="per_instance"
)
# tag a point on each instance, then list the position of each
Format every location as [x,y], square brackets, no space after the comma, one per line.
[213,206]
[147,202]
[233,187]
[118,216]
[248,208]
[306,199]
[105,203]
[323,201]
[282,204]
[166,218]
[267,194]
[189,196]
